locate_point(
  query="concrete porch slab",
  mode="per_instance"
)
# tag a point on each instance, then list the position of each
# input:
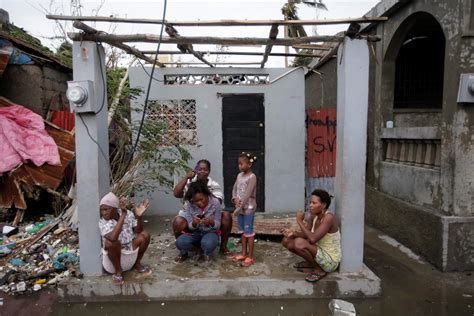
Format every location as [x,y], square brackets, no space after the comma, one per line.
[272,276]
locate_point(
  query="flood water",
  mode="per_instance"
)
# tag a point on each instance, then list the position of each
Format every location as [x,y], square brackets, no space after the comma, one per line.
[409,288]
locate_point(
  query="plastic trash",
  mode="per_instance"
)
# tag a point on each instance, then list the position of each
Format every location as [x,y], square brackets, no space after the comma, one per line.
[61,261]
[341,308]
[4,250]
[41,281]
[21,287]
[9,230]
[11,245]
[230,245]
[16,262]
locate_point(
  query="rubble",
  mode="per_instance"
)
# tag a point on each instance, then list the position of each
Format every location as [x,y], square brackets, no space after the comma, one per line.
[40,255]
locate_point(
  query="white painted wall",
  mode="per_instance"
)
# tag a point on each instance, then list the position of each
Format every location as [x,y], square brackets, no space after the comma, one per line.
[284,129]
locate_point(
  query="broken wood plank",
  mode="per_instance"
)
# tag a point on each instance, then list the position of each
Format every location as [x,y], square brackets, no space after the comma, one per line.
[216,22]
[268,48]
[114,39]
[131,50]
[327,57]
[172,32]
[18,217]
[269,226]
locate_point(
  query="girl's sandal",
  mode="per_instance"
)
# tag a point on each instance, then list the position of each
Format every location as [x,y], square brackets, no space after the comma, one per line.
[118,279]
[238,258]
[313,277]
[247,262]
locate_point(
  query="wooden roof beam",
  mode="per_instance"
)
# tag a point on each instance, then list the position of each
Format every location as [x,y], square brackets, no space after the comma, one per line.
[235,53]
[216,63]
[217,22]
[131,50]
[172,32]
[268,48]
[150,38]
[312,46]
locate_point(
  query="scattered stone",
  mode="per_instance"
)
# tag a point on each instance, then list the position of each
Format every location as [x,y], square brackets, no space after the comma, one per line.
[21,287]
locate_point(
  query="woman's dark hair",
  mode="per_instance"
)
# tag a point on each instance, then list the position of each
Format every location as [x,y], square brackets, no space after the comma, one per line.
[196,187]
[323,196]
[207,162]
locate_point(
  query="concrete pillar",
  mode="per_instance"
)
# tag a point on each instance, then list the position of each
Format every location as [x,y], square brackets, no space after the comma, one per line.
[352,111]
[92,167]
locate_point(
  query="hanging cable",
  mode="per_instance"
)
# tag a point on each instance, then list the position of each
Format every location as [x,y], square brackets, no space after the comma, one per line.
[148,88]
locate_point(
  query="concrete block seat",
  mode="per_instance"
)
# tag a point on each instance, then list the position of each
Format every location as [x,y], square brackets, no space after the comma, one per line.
[272,275]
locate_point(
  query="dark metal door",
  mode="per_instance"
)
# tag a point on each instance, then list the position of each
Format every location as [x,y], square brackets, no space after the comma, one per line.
[243,119]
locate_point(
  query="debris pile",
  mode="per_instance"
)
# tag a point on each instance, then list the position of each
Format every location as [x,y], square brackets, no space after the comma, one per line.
[37,255]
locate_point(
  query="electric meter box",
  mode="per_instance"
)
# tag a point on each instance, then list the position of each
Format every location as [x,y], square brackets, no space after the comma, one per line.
[81,96]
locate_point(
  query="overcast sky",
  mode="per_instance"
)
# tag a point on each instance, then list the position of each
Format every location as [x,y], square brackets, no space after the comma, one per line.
[29,14]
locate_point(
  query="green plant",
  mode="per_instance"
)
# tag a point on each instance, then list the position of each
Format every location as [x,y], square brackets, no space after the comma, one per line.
[152,166]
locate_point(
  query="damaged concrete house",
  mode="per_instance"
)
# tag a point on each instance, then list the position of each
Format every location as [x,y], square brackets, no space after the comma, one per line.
[34,79]
[420,148]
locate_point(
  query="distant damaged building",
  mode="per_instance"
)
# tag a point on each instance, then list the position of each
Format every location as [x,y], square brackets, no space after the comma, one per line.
[30,74]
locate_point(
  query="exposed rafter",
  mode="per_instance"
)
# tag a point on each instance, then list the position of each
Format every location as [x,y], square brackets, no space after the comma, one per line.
[151,38]
[217,22]
[131,50]
[167,52]
[172,32]
[268,48]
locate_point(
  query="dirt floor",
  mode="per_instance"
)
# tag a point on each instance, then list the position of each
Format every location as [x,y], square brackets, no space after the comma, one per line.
[410,285]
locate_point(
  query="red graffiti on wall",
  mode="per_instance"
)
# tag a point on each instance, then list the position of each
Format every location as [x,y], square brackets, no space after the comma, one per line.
[321,142]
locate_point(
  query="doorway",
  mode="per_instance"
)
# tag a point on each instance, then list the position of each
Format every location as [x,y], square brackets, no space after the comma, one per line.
[243,129]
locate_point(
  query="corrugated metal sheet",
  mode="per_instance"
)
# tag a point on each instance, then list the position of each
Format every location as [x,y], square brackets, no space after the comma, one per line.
[321,133]
[63,119]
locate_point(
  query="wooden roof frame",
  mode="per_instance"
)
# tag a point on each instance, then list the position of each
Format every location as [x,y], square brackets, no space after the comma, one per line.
[185,43]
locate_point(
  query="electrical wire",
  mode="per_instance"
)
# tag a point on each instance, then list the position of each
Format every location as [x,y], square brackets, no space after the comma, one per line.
[149,87]
[147,73]
[103,77]
[107,160]
[98,145]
